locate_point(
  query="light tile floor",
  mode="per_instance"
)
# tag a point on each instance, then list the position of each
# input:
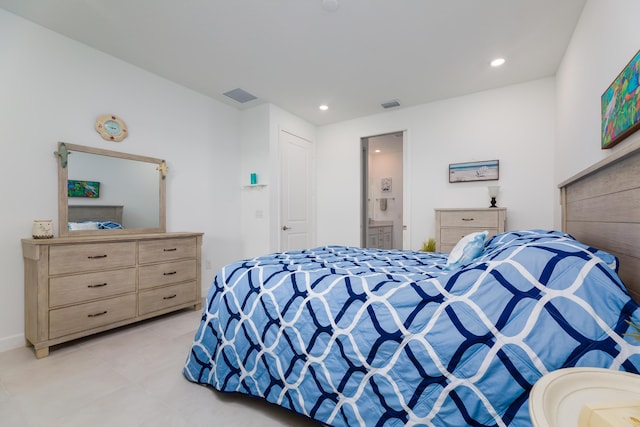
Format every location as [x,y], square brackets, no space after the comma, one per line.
[128,377]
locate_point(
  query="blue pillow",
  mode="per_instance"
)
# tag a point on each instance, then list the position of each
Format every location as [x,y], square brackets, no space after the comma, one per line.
[466,250]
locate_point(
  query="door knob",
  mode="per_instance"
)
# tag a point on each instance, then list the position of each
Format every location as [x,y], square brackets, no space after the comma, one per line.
[285,228]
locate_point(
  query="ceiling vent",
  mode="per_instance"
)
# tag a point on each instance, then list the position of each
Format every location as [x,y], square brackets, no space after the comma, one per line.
[391,104]
[240,95]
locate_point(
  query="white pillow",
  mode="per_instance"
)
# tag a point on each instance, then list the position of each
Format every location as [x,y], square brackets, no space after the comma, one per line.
[87,225]
[466,250]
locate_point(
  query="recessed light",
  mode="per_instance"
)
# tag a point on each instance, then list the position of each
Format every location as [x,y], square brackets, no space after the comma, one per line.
[324,107]
[497,62]
[378,151]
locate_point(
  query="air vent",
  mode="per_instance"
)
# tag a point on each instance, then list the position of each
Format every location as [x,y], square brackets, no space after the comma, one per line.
[240,95]
[391,104]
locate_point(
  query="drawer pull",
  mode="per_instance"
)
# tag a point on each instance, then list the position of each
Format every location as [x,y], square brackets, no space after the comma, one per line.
[96,256]
[170,297]
[171,273]
[170,249]
[97,285]
[97,314]
[467,219]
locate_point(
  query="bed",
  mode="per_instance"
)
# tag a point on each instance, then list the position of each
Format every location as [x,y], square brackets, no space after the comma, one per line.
[366,337]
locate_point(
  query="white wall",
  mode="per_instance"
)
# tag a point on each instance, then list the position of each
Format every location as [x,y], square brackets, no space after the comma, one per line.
[53,89]
[261,126]
[605,40]
[514,124]
[256,232]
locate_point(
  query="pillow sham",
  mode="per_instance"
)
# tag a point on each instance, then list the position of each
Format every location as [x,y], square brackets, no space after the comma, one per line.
[86,225]
[466,250]
[110,225]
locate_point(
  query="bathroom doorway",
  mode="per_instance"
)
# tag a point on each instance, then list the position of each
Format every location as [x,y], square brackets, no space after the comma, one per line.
[382,191]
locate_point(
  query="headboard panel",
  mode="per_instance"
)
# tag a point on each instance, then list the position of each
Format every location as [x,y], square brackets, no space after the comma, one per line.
[79,213]
[601,207]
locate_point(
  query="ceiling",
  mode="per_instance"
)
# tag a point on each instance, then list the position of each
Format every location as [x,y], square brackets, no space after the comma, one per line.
[297,55]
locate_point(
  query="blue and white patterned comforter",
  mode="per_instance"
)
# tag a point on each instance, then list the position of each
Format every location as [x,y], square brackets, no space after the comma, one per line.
[366,337]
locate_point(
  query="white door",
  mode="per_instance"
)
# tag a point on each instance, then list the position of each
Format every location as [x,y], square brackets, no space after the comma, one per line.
[296,178]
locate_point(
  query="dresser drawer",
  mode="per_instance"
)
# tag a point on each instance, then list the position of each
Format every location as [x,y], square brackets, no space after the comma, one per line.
[77,318]
[453,235]
[471,218]
[90,257]
[380,230]
[166,250]
[66,290]
[167,273]
[166,297]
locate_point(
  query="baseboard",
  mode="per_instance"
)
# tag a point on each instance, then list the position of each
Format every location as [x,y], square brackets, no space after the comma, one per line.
[12,342]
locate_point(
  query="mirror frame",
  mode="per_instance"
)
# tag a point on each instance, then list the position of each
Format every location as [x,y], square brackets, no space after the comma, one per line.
[65,149]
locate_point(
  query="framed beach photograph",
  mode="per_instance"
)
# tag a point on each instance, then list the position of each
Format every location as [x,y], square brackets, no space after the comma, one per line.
[488,170]
[620,105]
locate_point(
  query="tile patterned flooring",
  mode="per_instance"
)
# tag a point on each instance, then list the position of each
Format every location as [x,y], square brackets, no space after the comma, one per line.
[131,376]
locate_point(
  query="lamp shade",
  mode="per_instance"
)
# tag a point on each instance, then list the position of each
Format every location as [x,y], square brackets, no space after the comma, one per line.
[494,190]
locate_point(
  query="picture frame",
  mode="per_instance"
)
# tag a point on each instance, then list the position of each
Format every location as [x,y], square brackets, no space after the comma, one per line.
[385,185]
[620,105]
[487,170]
[89,189]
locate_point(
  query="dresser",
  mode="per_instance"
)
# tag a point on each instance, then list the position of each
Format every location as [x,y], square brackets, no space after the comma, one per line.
[453,224]
[78,286]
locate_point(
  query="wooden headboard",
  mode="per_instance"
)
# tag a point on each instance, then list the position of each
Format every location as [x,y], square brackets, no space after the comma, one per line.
[79,213]
[601,207]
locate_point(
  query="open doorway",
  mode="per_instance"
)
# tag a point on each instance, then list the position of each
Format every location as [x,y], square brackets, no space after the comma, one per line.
[382,191]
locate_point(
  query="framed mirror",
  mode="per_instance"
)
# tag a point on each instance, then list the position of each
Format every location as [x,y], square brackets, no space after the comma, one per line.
[108,192]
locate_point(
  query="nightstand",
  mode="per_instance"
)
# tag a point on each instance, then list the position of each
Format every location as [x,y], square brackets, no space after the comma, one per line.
[453,224]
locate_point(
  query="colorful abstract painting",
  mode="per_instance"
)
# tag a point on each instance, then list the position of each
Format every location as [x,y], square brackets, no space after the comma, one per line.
[620,105]
[83,189]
